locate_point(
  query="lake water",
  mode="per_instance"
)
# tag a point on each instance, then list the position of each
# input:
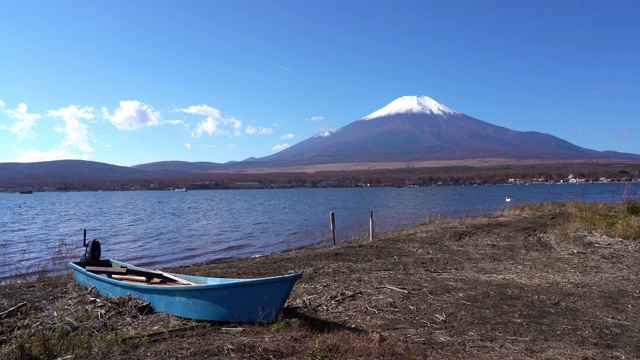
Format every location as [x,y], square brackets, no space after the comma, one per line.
[42,232]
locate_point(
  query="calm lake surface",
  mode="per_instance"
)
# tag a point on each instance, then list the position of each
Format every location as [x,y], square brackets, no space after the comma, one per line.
[42,232]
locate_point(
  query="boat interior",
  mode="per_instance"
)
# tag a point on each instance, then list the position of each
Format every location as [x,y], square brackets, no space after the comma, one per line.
[137,275]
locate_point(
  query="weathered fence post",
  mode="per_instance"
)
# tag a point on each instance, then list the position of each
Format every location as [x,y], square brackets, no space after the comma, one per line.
[371,226]
[333,227]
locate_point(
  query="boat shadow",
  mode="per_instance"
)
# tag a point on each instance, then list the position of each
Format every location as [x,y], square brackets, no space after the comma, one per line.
[316,324]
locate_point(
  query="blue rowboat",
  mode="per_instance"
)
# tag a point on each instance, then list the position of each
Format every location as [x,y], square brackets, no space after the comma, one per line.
[257,300]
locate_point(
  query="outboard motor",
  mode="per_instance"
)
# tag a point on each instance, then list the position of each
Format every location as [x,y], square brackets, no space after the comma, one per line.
[91,250]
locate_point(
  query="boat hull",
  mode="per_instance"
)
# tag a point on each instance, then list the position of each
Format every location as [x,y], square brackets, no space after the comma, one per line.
[257,300]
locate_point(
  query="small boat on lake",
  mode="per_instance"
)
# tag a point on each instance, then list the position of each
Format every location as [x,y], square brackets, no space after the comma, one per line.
[257,300]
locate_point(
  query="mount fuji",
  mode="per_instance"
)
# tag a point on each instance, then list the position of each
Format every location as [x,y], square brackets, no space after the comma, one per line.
[418,128]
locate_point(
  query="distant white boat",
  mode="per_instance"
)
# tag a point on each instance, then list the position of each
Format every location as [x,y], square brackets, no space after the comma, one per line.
[181,190]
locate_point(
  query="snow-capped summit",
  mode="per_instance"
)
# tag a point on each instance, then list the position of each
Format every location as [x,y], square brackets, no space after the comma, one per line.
[411,104]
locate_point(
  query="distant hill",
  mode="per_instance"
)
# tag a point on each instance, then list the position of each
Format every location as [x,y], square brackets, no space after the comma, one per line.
[68,170]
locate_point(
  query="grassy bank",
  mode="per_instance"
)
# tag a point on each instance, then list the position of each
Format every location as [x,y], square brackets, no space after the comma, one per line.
[616,220]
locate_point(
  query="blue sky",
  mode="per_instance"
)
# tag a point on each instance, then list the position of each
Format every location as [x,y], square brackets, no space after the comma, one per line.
[132,82]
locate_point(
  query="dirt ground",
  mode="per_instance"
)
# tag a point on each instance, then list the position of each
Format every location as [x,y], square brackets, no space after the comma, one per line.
[508,286]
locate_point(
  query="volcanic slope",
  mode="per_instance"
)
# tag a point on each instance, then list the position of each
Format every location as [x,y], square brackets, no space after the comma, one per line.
[415,128]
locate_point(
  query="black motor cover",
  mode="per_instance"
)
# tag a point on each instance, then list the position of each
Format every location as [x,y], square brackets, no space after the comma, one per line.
[92,253]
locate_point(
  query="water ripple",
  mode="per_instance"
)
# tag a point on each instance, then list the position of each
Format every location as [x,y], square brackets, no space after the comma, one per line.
[41,233]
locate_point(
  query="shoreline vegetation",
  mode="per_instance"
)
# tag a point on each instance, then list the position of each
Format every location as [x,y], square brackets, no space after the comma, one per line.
[433,173]
[534,281]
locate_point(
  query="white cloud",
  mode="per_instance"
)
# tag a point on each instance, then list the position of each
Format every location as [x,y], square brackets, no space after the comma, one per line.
[24,121]
[214,123]
[1,104]
[56,154]
[315,118]
[260,131]
[288,136]
[133,115]
[187,145]
[283,68]
[205,110]
[326,133]
[175,122]
[281,147]
[208,126]
[76,132]
[623,135]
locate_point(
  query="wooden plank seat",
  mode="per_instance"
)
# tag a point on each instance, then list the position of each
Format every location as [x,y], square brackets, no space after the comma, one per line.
[106,270]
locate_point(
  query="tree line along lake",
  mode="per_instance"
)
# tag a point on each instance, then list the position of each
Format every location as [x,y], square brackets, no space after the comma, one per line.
[41,232]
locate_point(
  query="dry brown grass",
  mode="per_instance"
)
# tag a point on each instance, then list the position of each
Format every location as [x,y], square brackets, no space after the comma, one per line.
[614,220]
[425,164]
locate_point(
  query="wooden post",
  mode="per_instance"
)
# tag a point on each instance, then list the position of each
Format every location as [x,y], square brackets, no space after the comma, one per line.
[371,226]
[333,227]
